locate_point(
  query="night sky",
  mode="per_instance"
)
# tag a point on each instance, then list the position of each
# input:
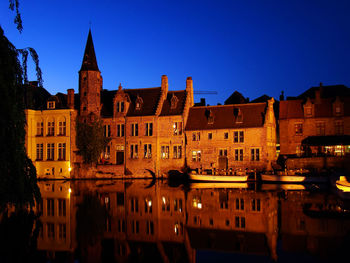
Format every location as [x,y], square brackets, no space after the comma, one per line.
[255,47]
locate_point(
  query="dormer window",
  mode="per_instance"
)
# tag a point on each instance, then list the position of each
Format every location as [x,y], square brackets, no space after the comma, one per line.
[308,111]
[211,118]
[239,115]
[51,104]
[120,106]
[173,102]
[139,103]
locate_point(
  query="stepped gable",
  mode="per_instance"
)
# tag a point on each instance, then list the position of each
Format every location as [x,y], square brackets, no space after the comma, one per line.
[167,108]
[224,116]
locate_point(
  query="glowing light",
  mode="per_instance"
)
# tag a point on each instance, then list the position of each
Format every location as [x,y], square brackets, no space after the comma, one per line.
[163,199]
[199,205]
[69,190]
[69,169]
[150,203]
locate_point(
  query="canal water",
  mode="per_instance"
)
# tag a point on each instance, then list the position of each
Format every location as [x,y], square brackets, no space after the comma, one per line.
[158,221]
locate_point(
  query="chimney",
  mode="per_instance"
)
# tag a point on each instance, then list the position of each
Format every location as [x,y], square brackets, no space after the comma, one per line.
[70,98]
[189,89]
[282,96]
[318,94]
[164,85]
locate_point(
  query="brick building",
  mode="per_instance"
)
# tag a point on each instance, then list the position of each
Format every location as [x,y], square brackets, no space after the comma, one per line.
[316,124]
[234,136]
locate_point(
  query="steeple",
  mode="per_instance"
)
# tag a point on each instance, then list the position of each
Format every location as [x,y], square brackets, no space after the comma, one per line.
[89,60]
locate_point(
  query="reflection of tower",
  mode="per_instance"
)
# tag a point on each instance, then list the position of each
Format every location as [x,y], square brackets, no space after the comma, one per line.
[90,82]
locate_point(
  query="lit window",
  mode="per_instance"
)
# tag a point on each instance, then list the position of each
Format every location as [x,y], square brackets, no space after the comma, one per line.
[148,205]
[197,202]
[177,128]
[298,127]
[255,154]
[134,151]
[147,151]
[196,156]
[177,152]
[164,152]
[165,204]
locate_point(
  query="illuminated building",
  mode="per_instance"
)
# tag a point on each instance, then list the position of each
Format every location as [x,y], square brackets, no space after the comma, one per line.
[231,137]
[316,125]
[50,132]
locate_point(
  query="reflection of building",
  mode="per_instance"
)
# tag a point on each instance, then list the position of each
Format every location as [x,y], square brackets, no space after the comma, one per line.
[315,223]
[316,124]
[233,220]
[57,233]
[235,136]
[50,134]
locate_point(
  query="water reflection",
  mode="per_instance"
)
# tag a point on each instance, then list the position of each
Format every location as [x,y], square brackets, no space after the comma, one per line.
[140,220]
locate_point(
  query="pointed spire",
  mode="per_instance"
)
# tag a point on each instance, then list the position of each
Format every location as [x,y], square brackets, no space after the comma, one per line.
[89,60]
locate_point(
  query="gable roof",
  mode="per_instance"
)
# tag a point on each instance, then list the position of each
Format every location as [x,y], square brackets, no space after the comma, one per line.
[181,97]
[224,116]
[149,96]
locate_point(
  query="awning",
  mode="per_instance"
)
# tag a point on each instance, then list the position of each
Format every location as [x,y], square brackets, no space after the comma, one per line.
[326,140]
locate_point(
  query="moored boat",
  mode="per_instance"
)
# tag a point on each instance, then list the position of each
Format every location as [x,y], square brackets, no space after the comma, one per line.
[343,184]
[237,177]
[293,177]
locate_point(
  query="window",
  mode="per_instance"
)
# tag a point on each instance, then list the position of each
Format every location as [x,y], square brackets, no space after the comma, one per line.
[50,104]
[179,228]
[121,226]
[177,153]
[62,231]
[339,127]
[148,205]
[238,154]
[196,156]
[239,222]
[240,204]
[120,106]
[134,203]
[177,128]
[255,154]
[298,128]
[62,151]
[320,128]
[165,204]
[256,206]
[178,205]
[50,230]
[107,153]
[149,227]
[197,202]
[238,137]
[50,151]
[61,207]
[120,130]
[39,128]
[134,129]
[50,207]
[147,151]
[120,199]
[196,136]
[39,151]
[164,152]
[149,129]
[62,128]
[223,152]
[135,226]
[210,136]
[51,128]
[138,103]
[134,152]
[308,111]
[107,130]
[226,135]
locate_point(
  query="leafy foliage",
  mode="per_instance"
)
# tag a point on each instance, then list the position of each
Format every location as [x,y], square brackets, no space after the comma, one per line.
[17,173]
[90,140]
[18,19]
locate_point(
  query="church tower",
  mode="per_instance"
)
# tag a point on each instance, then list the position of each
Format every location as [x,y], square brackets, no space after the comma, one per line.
[90,83]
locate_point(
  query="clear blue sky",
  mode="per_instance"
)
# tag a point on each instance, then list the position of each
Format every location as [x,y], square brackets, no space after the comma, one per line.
[256,47]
